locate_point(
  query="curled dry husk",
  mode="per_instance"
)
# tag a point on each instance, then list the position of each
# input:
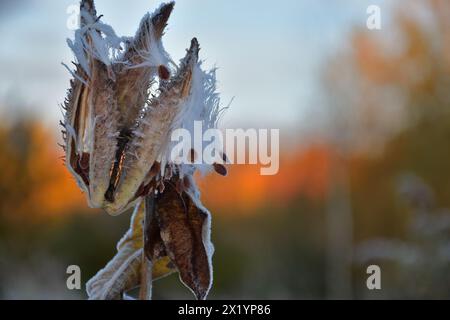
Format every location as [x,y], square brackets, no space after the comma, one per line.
[125,99]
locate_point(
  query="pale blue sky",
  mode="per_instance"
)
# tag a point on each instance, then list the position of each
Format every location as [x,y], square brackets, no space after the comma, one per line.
[269,53]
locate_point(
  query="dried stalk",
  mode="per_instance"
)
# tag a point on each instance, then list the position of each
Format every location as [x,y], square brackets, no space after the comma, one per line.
[145,292]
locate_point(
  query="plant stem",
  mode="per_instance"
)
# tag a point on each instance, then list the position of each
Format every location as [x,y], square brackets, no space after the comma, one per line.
[145,292]
[147,265]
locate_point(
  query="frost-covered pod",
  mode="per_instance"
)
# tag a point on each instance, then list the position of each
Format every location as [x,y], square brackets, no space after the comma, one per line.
[92,116]
[151,133]
[88,13]
[76,155]
[104,123]
[143,59]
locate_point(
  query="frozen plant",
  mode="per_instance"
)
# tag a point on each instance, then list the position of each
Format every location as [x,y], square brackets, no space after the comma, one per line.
[125,99]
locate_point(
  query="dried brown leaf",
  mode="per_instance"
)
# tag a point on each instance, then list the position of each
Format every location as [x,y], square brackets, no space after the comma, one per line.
[185,232]
[154,247]
[120,275]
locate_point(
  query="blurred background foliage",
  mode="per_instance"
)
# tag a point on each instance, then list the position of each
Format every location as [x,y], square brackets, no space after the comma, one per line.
[369,186]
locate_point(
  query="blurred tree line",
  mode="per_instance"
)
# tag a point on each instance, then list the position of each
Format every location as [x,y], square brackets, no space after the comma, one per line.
[390,101]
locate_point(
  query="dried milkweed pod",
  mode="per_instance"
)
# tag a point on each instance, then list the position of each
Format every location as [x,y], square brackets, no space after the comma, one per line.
[126,98]
[152,130]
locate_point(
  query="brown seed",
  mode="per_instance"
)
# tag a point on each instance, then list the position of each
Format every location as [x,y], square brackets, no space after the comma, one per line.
[220,169]
[163,72]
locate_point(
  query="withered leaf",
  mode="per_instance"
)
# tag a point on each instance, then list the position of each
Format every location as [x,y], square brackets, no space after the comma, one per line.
[135,238]
[154,248]
[153,244]
[120,275]
[124,271]
[162,268]
[185,232]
